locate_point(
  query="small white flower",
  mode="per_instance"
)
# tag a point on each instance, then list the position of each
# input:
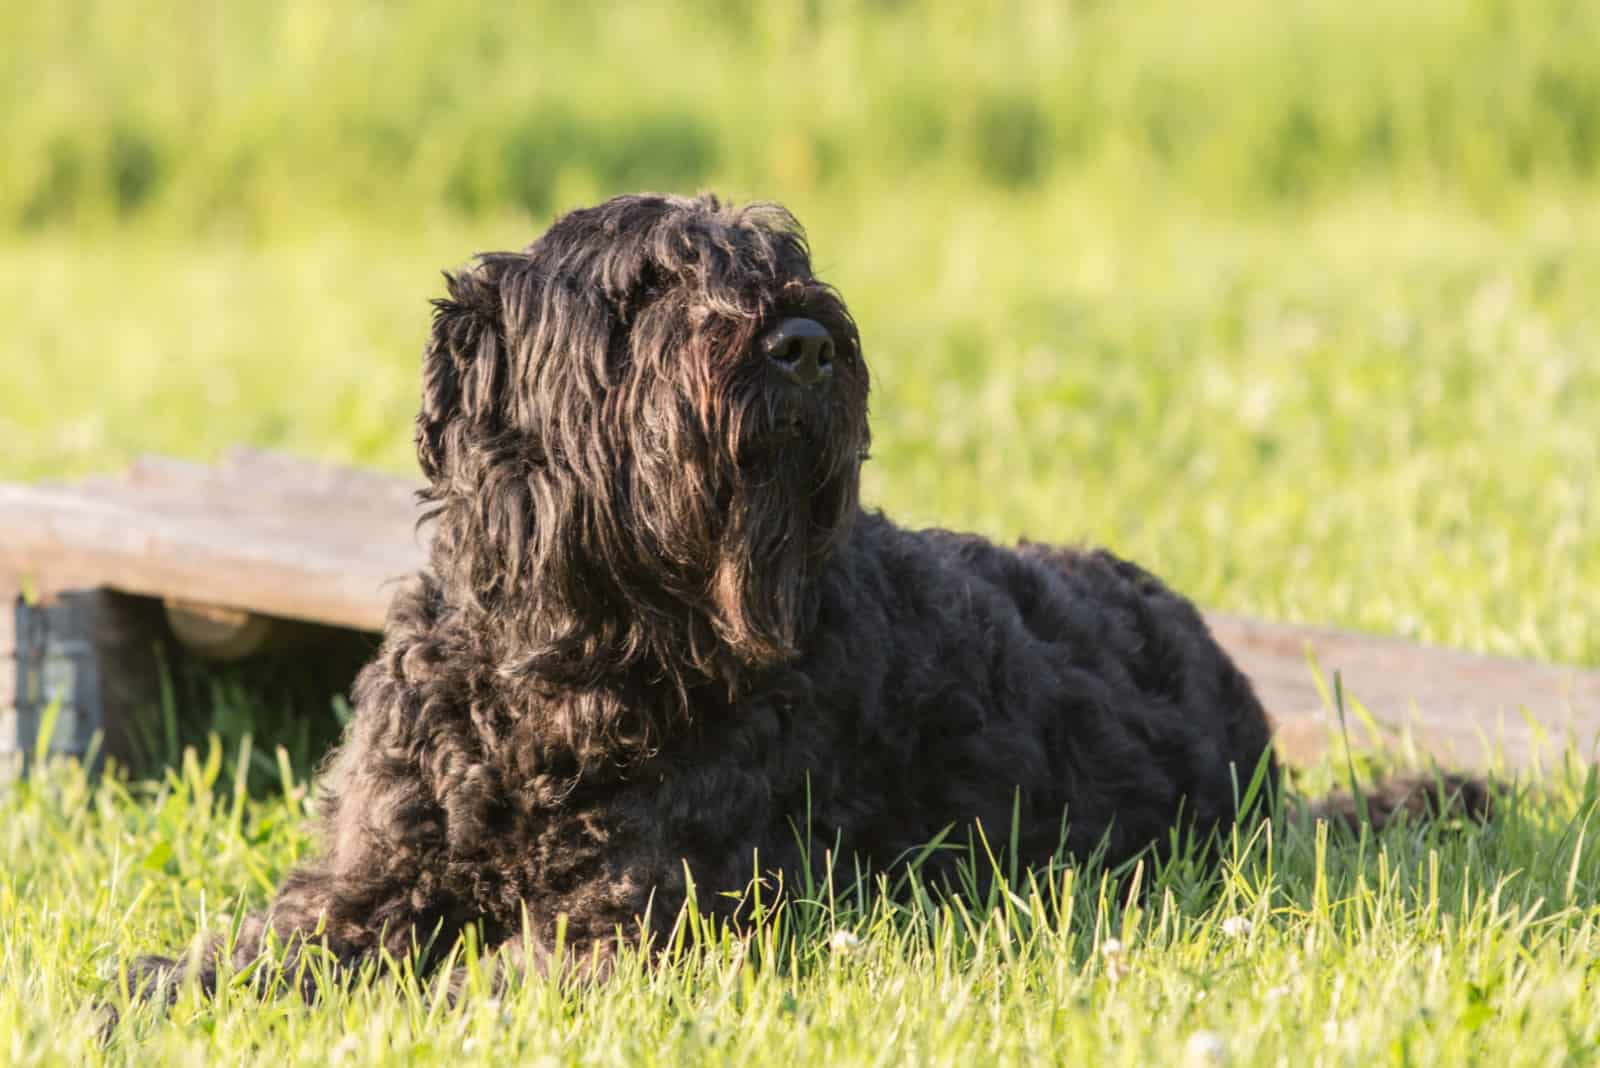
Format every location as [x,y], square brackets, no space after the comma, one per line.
[1237,926]
[1278,992]
[844,942]
[1204,1049]
[1116,963]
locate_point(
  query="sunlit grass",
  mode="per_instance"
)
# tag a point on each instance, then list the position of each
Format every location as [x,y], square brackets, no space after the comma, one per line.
[1295,304]
[1422,945]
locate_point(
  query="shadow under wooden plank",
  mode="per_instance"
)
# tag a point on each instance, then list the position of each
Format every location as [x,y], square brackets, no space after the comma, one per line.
[269,536]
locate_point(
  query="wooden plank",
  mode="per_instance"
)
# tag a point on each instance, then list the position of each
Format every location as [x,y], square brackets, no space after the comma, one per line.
[261,486]
[273,535]
[263,533]
[277,567]
[1458,706]
[269,496]
[324,482]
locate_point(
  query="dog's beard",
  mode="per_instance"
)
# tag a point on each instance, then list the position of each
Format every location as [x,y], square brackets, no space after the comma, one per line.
[757,590]
[792,498]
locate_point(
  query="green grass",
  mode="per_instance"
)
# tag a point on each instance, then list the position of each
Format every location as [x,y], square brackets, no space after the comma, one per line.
[1425,945]
[200,114]
[1292,302]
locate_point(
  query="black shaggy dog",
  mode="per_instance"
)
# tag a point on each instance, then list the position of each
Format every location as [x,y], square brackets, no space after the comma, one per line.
[659,634]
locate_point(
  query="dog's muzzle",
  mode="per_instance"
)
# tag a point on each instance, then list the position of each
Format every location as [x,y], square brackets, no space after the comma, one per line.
[801,351]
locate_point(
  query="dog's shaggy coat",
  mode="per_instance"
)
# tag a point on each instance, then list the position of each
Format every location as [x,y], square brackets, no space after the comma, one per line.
[659,635]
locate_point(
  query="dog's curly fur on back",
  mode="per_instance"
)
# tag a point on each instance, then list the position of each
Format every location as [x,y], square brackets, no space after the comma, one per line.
[659,634]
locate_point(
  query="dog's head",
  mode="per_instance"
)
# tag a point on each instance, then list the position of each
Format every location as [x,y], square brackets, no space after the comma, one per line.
[644,436]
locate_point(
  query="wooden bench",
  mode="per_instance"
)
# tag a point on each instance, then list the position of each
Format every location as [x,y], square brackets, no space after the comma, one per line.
[226,561]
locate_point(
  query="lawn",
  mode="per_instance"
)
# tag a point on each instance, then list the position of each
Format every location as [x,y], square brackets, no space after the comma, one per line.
[1427,946]
[1295,304]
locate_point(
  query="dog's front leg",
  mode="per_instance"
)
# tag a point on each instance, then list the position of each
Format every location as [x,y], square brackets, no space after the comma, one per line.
[377,886]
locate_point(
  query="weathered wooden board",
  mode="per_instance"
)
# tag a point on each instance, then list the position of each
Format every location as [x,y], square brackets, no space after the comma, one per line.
[281,537]
[1460,707]
[256,532]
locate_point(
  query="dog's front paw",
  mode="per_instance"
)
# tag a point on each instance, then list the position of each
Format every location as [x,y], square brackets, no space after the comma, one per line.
[146,979]
[153,978]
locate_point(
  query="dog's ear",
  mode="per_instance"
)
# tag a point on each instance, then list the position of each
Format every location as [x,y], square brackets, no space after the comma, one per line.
[463,367]
[476,442]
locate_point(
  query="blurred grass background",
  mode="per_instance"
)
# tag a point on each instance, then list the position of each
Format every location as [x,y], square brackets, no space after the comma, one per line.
[1294,302]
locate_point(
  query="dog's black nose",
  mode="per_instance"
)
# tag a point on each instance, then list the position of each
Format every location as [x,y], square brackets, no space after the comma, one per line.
[801,349]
